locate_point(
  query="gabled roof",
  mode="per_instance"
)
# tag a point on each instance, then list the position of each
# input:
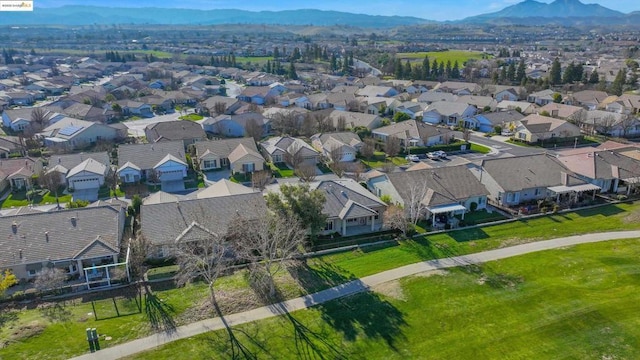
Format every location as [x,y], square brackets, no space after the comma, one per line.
[69,161]
[129,165]
[222,148]
[447,108]
[223,187]
[163,223]
[174,130]
[58,235]
[443,185]
[168,158]
[146,156]
[345,198]
[537,124]
[88,165]
[412,129]
[526,172]
[242,151]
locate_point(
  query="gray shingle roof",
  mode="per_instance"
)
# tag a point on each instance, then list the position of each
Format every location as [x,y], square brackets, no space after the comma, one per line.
[69,161]
[224,147]
[446,184]
[174,130]
[346,198]
[146,156]
[526,172]
[162,223]
[53,235]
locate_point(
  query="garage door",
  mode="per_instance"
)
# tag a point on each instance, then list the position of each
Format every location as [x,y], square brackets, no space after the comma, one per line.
[88,183]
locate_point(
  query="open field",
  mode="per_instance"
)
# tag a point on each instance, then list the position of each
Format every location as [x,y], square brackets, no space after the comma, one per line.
[578,302]
[451,55]
[29,330]
[253,59]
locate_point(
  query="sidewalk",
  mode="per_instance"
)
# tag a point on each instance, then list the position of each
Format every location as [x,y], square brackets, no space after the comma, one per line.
[347,289]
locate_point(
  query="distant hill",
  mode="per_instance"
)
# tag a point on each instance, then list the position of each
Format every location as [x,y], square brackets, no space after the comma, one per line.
[87,15]
[558,9]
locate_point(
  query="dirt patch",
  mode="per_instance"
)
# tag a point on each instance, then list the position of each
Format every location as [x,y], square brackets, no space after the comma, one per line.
[633,217]
[432,273]
[514,241]
[391,289]
[230,302]
[23,333]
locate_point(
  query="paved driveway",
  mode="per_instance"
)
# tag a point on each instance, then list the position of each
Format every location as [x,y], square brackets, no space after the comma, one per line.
[86,195]
[172,186]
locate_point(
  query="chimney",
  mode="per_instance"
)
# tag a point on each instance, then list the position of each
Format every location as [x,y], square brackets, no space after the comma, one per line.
[564,178]
[14,227]
[20,253]
[74,221]
[46,236]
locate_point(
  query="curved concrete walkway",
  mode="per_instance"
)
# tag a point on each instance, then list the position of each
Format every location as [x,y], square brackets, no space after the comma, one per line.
[349,288]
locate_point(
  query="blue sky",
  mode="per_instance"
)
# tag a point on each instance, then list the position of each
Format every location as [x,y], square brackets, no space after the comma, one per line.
[427,9]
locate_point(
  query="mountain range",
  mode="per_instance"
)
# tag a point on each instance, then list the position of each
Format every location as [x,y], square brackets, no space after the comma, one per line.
[528,12]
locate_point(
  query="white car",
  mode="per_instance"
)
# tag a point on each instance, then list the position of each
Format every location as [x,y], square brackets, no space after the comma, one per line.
[413,158]
[440,154]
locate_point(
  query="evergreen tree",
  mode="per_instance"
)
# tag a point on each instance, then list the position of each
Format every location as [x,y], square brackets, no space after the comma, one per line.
[292,74]
[441,70]
[618,83]
[521,72]
[407,70]
[399,70]
[511,72]
[503,75]
[594,78]
[567,76]
[555,75]
[455,71]
[447,70]
[434,69]
[333,62]
[426,69]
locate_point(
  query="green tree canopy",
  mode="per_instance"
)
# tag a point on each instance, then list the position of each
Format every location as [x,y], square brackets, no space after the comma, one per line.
[301,202]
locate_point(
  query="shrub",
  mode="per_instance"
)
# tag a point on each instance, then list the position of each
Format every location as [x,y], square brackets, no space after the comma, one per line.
[621,197]
[473,206]
[556,207]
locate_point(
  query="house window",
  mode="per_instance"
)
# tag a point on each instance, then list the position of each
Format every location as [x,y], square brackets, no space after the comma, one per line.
[522,136]
[352,220]
[32,272]
[329,225]
[537,192]
[248,167]
[224,162]
[208,164]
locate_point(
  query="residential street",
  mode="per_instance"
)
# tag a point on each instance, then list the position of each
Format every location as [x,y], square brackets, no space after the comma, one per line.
[349,288]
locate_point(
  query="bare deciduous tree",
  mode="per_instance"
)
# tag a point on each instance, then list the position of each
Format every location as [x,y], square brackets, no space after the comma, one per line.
[414,205]
[368,148]
[306,172]
[38,119]
[293,155]
[50,279]
[286,122]
[341,123]
[254,130]
[139,248]
[324,124]
[267,243]
[52,181]
[334,161]
[309,125]
[358,169]
[219,108]
[260,179]
[395,218]
[605,125]
[392,146]
[388,167]
[627,122]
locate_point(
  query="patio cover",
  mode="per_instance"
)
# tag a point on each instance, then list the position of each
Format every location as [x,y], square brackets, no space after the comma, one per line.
[563,189]
[446,208]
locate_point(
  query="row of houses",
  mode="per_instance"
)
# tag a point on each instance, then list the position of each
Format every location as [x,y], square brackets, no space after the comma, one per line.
[35,240]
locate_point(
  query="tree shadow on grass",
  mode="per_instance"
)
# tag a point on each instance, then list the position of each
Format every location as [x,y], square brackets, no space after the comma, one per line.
[7,317]
[464,235]
[159,313]
[348,306]
[56,312]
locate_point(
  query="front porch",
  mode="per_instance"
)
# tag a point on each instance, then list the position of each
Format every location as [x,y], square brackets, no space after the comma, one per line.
[444,215]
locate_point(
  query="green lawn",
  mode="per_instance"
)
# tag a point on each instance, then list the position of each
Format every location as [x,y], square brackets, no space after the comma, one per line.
[579,302]
[379,159]
[451,55]
[281,170]
[191,117]
[41,197]
[253,59]
[480,149]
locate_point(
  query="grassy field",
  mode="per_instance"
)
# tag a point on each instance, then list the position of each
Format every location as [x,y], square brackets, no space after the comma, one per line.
[100,53]
[253,59]
[480,149]
[574,303]
[451,55]
[29,331]
[191,117]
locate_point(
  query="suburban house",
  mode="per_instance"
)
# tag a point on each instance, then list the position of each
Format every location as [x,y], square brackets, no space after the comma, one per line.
[521,106]
[164,162]
[377,91]
[235,154]
[226,104]
[235,125]
[414,133]
[188,132]
[258,95]
[437,194]
[536,128]
[487,122]
[348,142]
[630,103]
[10,145]
[289,150]
[506,92]
[431,96]
[70,133]
[562,111]
[18,173]
[349,207]
[526,179]
[447,113]
[613,170]
[411,108]
[176,220]
[588,99]
[541,98]
[86,178]
[355,119]
[135,108]
[610,123]
[20,119]
[458,88]
[482,103]
[71,240]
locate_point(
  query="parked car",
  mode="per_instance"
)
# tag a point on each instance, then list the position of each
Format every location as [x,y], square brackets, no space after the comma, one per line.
[413,158]
[440,154]
[432,155]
